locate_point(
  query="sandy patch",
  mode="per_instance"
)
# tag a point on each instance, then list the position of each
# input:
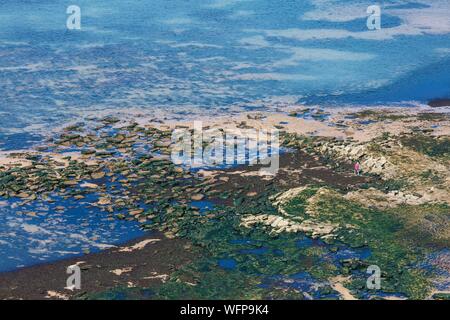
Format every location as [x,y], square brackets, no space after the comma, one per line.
[337,285]
[53,294]
[138,246]
[119,272]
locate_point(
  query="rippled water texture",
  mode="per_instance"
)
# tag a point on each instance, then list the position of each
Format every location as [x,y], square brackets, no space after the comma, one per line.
[216,54]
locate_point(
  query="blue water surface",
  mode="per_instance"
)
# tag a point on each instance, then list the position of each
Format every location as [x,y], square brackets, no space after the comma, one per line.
[38,233]
[215,55]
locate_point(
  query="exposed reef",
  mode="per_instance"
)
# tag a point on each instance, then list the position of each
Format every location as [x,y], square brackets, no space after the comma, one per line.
[308,232]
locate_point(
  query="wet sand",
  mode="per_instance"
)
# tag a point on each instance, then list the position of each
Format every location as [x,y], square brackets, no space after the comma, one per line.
[143,262]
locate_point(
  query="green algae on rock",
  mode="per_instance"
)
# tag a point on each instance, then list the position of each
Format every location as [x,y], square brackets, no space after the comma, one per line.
[248,242]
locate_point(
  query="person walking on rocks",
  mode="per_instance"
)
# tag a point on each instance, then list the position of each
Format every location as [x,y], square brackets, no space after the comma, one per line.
[357,168]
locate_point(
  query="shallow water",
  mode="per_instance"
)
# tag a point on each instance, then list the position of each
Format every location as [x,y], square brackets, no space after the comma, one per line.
[215,55]
[50,235]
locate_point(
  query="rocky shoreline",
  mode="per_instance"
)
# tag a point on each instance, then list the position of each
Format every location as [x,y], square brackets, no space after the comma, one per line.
[244,230]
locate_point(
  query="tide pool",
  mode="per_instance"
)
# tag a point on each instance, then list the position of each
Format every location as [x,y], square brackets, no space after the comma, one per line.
[42,233]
